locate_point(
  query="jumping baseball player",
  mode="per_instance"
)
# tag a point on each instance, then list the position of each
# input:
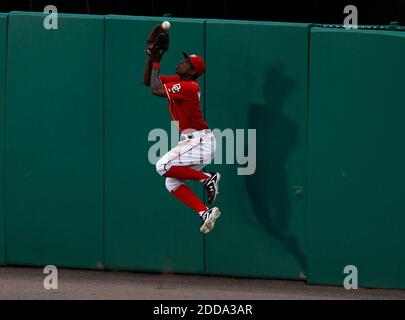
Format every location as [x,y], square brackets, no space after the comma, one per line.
[197,145]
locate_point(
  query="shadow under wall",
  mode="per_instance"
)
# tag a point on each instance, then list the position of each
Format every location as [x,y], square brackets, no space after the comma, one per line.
[277,135]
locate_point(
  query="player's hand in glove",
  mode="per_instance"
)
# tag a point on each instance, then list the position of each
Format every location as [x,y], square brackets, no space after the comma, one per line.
[157,43]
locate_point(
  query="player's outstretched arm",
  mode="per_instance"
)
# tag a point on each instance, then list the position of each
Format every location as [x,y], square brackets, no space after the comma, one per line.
[151,73]
[156,45]
[147,70]
[156,86]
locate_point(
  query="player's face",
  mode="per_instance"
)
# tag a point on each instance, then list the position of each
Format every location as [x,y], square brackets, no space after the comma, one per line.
[184,68]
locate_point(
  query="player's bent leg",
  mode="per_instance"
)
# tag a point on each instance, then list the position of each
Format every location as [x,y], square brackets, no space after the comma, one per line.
[182,192]
[169,159]
[185,162]
[178,163]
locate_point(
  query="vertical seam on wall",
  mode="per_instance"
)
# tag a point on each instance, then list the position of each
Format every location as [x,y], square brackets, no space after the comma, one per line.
[103,174]
[4,147]
[205,117]
[307,153]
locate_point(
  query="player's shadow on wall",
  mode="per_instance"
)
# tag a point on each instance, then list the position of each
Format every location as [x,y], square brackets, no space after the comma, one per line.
[277,136]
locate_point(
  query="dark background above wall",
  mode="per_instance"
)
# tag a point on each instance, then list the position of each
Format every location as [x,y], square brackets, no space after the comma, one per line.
[315,11]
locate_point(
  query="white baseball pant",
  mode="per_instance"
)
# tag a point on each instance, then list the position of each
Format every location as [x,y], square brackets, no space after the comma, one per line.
[195,152]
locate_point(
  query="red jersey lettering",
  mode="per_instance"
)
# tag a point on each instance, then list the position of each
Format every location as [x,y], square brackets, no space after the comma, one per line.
[184,102]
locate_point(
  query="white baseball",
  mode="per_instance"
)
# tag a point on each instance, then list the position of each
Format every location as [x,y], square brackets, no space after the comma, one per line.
[166,25]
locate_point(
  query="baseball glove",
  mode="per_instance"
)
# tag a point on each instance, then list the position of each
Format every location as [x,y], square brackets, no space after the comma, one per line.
[157,43]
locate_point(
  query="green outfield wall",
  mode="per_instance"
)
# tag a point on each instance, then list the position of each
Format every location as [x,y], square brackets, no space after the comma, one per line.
[54,141]
[3,68]
[260,85]
[356,157]
[327,106]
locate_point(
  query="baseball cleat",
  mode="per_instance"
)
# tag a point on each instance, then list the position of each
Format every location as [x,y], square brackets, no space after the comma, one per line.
[208,219]
[211,185]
